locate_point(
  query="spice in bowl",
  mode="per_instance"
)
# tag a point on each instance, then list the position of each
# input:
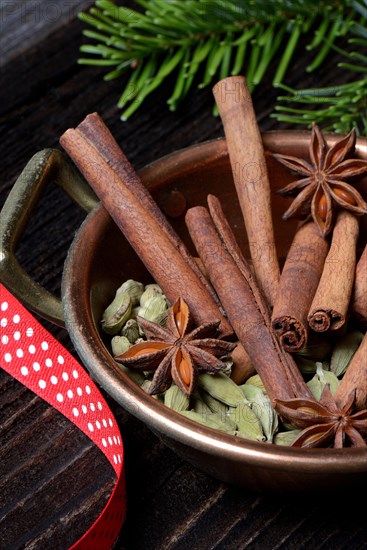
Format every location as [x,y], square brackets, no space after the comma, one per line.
[304,398]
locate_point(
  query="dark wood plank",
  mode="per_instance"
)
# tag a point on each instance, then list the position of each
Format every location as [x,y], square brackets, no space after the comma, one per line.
[49,470]
[25,23]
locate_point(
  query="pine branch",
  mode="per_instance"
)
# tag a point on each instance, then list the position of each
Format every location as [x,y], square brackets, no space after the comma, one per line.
[202,41]
[337,108]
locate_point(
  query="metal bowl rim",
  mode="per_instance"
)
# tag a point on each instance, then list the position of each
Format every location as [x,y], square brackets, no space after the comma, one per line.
[159,418]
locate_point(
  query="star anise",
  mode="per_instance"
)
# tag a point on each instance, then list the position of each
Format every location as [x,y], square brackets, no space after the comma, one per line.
[174,353]
[323,188]
[324,423]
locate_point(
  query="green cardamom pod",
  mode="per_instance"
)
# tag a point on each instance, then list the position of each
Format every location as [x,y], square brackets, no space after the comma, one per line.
[199,405]
[135,312]
[227,420]
[119,345]
[306,366]
[175,399]
[263,409]
[117,313]
[318,348]
[344,351]
[153,308]
[222,416]
[221,387]
[250,391]
[286,438]
[288,426]
[214,405]
[145,386]
[162,318]
[131,330]
[319,381]
[151,291]
[154,286]
[248,425]
[208,421]
[134,375]
[255,380]
[134,289]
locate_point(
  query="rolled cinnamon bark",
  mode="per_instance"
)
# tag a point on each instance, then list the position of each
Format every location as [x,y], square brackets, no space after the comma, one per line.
[242,367]
[359,301]
[355,379]
[240,298]
[330,305]
[250,176]
[94,130]
[144,232]
[297,286]
[229,241]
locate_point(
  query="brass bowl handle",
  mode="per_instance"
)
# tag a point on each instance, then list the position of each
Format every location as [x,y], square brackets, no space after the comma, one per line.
[44,166]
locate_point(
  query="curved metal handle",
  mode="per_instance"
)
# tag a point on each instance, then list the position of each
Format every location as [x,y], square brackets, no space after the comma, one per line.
[46,165]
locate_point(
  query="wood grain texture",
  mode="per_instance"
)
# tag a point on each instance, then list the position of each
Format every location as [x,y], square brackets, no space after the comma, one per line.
[42,490]
[171,505]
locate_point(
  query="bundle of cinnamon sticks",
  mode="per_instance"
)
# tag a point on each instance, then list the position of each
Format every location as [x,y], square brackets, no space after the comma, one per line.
[271,314]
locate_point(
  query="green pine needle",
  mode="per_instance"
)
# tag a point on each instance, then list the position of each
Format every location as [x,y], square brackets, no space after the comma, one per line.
[337,108]
[202,41]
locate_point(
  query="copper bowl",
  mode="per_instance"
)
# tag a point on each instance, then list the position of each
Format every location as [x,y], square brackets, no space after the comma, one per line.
[100,259]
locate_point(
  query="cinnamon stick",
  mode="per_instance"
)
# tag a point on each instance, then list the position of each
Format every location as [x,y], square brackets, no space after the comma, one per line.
[246,309]
[94,130]
[331,302]
[229,241]
[250,176]
[141,228]
[359,301]
[242,367]
[355,379]
[297,286]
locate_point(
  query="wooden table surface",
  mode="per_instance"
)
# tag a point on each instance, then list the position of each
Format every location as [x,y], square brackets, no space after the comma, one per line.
[53,481]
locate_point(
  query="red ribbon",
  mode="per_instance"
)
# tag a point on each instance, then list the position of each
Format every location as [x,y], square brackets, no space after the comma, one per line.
[29,353]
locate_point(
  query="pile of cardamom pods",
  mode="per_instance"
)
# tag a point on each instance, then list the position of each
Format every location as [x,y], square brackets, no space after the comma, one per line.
[133,299]
[218,402]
